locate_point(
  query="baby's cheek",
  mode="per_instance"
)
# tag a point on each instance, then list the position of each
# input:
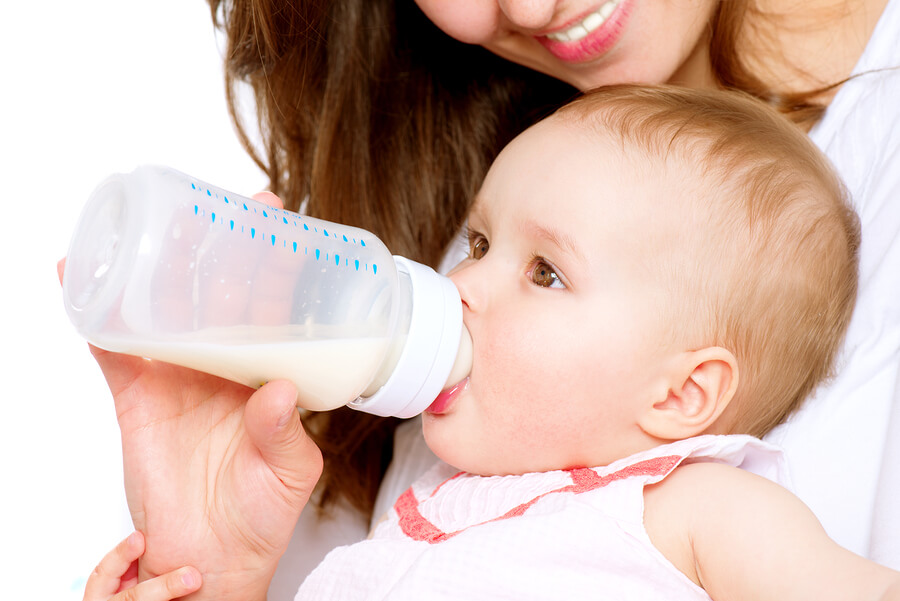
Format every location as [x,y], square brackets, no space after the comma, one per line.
[516,344]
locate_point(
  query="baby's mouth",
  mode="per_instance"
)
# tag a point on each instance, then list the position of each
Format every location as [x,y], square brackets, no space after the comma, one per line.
[445,399]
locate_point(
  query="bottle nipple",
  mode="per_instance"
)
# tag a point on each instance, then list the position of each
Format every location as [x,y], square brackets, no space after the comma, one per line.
[463,363]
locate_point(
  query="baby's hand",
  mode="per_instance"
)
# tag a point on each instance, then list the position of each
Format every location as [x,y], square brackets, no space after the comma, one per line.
[115,577]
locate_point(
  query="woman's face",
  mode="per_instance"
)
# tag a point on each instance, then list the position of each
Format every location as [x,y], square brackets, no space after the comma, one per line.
[588,43]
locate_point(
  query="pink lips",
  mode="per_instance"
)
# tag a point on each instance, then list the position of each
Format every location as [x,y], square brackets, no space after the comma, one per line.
[593,45]
[446,398]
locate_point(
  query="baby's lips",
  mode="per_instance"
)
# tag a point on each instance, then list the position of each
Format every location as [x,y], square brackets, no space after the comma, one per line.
[443,401]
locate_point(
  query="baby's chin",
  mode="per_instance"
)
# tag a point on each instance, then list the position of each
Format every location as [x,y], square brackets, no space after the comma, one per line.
[452,451]
[457,440]
[474,463]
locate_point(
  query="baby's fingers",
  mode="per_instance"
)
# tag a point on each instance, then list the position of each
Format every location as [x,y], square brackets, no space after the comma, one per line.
[115,577]
[172,585]
[114,568]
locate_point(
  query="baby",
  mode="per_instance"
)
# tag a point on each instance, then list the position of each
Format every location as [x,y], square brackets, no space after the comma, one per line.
[656,277]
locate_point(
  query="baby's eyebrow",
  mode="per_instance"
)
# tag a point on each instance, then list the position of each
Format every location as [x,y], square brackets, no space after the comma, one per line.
[558,238]
[476,207]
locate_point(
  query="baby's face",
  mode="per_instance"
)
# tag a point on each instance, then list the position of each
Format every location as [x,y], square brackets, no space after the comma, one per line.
[565,314]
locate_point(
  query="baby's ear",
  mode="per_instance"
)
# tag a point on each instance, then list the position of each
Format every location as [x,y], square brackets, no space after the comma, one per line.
[701,385]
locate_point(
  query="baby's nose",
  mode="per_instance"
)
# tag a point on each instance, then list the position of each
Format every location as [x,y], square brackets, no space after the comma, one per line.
[465,278]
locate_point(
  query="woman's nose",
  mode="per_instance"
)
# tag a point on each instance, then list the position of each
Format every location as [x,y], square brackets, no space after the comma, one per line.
[528,14]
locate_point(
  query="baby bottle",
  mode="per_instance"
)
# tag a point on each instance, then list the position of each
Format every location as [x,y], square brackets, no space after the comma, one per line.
[167,267]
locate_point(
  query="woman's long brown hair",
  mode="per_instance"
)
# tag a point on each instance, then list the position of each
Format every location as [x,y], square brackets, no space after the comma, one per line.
[375,118]
[380,121]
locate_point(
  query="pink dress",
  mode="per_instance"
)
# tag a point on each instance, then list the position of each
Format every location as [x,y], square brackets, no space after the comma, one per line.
[569,534]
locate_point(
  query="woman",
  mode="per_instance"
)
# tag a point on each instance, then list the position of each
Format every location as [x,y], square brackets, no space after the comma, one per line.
[382,121]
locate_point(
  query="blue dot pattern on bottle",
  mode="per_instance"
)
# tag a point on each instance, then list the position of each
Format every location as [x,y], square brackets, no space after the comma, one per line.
[284,219]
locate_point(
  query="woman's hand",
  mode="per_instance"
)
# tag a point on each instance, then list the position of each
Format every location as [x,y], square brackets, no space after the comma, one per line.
[215,474]
[115,577]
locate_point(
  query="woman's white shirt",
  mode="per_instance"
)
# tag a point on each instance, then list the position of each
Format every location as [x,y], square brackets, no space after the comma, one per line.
[840,446]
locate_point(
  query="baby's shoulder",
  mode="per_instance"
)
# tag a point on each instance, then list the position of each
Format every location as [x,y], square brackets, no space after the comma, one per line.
[699,491]
[703,483]
[703,501]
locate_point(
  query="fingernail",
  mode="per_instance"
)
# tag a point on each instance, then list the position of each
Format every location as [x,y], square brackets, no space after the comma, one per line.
[132,539]
[188,579]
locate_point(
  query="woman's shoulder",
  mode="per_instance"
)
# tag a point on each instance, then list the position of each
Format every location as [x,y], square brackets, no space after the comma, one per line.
[864,115]
[860,131]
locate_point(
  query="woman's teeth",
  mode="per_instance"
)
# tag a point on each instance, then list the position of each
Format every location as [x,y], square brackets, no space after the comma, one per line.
[587,25]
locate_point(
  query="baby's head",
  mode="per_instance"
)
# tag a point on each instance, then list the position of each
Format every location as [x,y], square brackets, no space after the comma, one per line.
[765,264]
[647,264]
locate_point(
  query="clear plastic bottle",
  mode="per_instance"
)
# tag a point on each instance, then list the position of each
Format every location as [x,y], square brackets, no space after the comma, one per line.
[164,266]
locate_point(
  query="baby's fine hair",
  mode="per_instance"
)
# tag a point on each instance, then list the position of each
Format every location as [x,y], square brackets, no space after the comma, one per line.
[773,274]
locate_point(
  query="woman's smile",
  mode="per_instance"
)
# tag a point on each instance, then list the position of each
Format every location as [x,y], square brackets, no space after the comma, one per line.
[588,43]
[590,36]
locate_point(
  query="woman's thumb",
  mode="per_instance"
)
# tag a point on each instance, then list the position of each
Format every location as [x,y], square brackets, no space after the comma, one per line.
[273,425]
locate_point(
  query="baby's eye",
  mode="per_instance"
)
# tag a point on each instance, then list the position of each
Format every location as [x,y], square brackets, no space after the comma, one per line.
[478,246]
[545,276]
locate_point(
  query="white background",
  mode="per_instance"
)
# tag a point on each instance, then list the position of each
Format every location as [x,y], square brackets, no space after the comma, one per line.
[88,88]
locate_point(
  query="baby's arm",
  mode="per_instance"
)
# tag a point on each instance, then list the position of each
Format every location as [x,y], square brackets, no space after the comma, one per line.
[741,537]
[115,577]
